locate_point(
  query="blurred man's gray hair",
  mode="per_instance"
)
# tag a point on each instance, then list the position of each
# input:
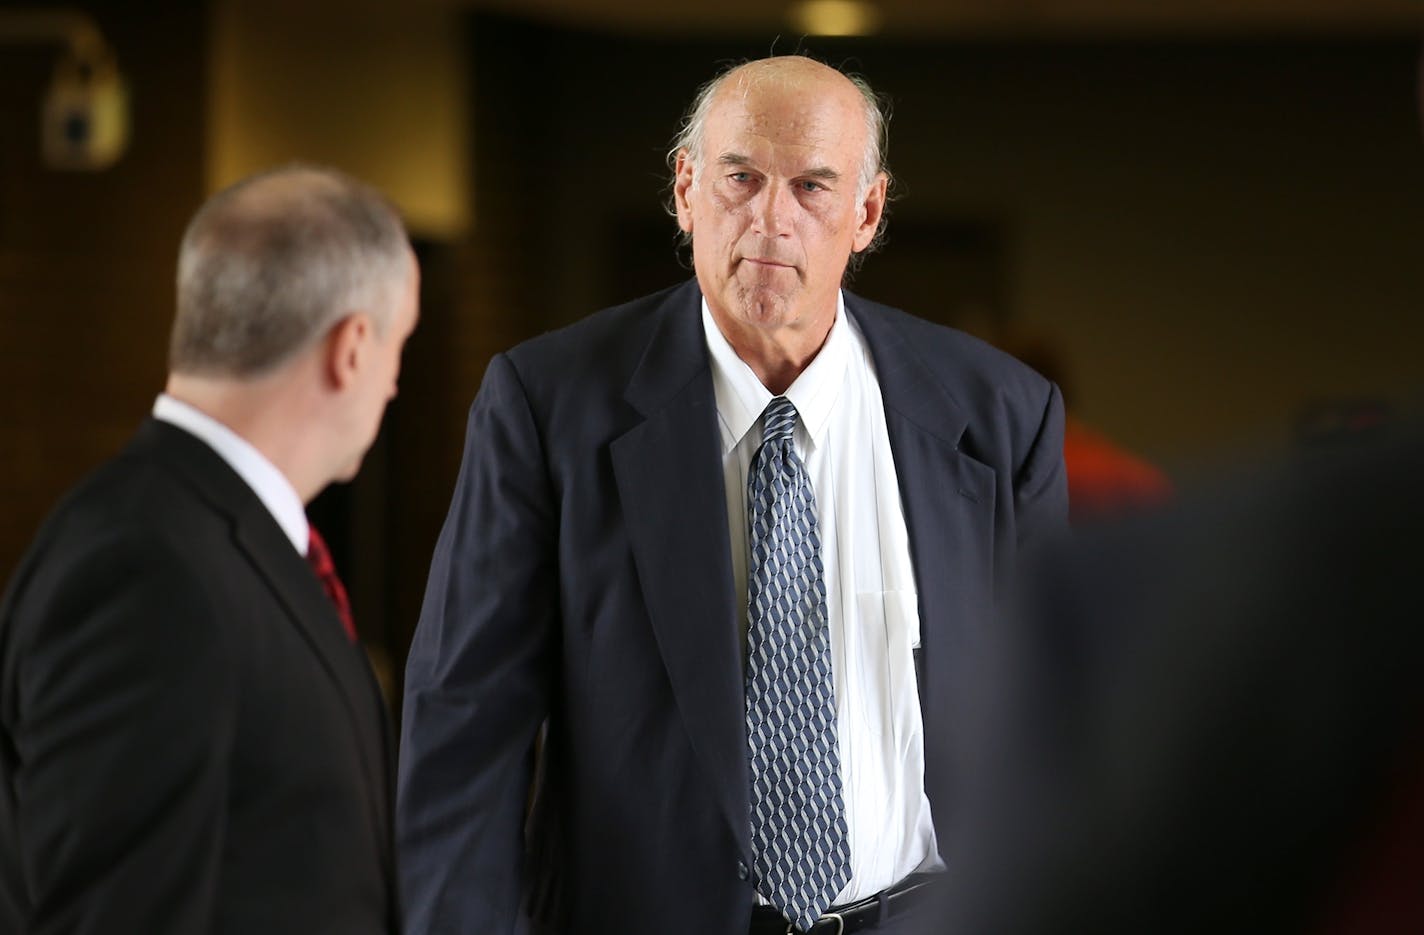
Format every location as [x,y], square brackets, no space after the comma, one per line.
[268,265]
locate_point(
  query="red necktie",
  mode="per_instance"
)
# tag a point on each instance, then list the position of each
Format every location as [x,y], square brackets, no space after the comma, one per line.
[319,557]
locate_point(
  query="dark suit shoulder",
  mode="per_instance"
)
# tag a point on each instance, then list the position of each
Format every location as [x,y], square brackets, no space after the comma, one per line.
[1004,404]
[956,356]
[148,491]
[575,380]
[161,508]
[610,342]
[129,512]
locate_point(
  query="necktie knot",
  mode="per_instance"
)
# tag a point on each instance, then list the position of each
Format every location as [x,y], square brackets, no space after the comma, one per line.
[779,420]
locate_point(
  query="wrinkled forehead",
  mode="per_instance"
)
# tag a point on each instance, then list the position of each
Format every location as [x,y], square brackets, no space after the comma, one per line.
[788,109]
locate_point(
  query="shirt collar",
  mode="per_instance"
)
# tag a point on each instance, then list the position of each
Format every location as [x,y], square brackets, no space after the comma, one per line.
[741,398]
[267,482]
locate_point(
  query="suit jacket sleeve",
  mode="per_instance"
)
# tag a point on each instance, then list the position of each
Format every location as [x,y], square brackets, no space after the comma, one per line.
[1041,481]
[120,708]
[478,676]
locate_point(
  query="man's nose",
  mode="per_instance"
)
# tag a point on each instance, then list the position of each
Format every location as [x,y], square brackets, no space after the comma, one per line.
[776,204]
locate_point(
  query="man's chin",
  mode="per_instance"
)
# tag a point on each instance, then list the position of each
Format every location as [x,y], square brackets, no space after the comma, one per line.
[348,472]
[763,305]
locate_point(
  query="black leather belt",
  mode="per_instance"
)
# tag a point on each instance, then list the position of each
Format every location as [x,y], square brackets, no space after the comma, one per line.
[858,916]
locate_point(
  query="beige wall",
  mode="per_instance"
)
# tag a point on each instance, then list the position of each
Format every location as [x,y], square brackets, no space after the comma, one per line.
[377,89]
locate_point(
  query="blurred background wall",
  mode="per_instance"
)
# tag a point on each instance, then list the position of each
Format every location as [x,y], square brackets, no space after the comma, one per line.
[1206,217]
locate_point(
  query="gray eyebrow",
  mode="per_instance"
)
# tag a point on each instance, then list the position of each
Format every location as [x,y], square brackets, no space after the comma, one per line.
[825,173]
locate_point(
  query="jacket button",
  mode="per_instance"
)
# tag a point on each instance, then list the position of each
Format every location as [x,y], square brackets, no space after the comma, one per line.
[742,871]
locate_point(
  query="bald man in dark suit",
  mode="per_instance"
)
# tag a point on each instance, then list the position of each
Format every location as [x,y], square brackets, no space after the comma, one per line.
[603,571]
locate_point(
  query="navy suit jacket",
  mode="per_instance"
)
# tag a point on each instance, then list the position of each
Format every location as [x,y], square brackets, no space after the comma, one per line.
[584,576]
[188,741]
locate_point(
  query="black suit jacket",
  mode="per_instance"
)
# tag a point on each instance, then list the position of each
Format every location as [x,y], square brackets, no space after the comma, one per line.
[584,574]
[190,743]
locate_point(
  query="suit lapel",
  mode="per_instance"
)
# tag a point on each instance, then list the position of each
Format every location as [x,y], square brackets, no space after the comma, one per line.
[261,541]
[948,500]
[311,611]
[670,481]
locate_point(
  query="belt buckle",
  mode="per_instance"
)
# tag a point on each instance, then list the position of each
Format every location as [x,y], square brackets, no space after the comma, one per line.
[839,920]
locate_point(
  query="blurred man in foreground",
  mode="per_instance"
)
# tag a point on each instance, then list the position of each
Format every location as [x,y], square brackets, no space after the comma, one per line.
[191,739]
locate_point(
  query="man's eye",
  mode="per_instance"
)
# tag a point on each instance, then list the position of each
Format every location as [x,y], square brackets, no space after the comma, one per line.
[811,185]
[740,176]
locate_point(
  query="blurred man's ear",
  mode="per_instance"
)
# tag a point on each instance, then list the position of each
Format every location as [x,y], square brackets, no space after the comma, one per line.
[346,347]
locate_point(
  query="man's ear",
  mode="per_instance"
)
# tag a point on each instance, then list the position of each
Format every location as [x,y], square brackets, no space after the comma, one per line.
[871,210]
[681,182]
[346,348]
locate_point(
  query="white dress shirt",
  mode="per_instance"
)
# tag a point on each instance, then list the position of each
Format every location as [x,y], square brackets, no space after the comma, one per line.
[271,485]
[871,601]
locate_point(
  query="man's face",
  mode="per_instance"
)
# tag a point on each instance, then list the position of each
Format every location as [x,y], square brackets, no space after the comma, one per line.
[377,385]
[775,207]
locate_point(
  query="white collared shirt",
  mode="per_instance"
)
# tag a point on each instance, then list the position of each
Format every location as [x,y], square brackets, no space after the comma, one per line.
[871,601]
[270,484]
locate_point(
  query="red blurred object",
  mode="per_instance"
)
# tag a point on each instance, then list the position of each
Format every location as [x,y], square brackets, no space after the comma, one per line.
[1106,480]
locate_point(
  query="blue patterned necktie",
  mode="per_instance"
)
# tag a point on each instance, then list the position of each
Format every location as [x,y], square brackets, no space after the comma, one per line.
[799,837]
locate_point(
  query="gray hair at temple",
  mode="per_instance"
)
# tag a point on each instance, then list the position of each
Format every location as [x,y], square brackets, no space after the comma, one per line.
[877,135]
[268,265]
